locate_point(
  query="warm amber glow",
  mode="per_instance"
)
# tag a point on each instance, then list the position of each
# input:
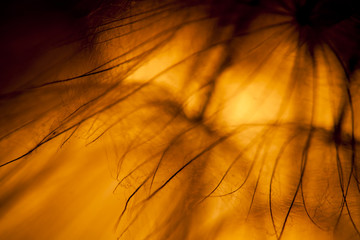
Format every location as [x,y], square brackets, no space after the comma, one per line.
[184,120]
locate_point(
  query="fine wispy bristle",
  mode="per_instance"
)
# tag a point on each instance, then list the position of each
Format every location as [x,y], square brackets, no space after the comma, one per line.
[201,119]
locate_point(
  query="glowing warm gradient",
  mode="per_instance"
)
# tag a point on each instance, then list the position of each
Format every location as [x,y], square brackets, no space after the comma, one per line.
[172,131]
